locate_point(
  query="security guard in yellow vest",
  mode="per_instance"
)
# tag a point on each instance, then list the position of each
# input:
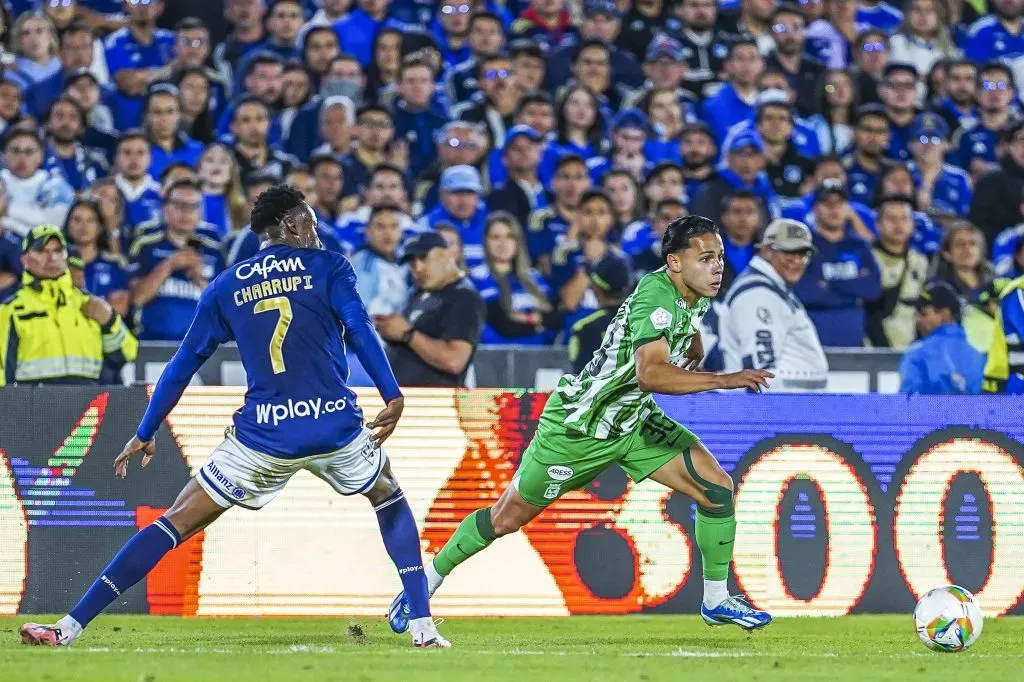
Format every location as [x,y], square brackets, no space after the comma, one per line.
[50,330]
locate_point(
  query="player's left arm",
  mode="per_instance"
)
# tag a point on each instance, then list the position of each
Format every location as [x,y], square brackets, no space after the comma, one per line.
[360,333]
[207,331]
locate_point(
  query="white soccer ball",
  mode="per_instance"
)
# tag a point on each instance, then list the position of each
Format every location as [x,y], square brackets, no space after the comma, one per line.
[948,619]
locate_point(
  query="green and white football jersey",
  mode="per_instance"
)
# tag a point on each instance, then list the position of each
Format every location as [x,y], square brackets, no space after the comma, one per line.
[604,401]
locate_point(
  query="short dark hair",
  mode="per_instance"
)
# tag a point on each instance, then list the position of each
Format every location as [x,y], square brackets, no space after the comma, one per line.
[83,115]
[273,205]
[669,201]
[786,8]
[745,39]
[484,16]
[383,208]
[173,166]
[566,159]
[737,194]
[894,199]
[320,159]
[190,24]
[662,167]
[597,193]
[245,99]
[589,43]
[680,231]
[535,97]
[185,184]
[385,168]
[74,28]
[996,66]
[129,135]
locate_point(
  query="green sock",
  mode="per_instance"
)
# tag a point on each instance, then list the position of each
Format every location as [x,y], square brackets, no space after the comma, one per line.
[716,537]
[474,534]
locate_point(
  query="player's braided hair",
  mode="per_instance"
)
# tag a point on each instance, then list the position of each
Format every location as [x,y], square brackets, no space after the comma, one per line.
[681,230]
[273,205]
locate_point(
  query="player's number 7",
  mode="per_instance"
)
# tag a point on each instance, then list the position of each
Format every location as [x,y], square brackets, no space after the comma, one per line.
[284,307]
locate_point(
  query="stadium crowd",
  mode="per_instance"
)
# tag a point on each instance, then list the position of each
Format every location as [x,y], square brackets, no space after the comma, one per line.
[549,142]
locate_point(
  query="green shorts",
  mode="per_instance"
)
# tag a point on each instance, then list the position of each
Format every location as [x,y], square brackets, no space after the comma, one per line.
[561,459]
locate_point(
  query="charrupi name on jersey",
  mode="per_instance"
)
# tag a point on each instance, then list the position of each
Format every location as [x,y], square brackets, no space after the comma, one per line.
[272,287]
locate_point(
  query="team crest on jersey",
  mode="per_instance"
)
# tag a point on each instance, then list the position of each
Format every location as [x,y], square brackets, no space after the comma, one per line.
[661,319]
[552,491]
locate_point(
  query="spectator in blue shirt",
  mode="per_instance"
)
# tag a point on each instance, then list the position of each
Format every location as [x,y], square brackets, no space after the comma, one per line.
[516,296]
[191,55]
[76,52]
[735,101]
[134,55]
[879,14]
[250,126]
[131,174]
[941,187]
[461,206]
[65,124]
[898,181]
[743,218]
[283,22]
[319,46]
[996,36]
[416,122]
[486,36]
[224,203]
[522,192]
[247,34]
[744,169]
[358,30]
[698,151]
[841,276]
[162,122]
[579,130]
[171,267]
[105,273]
[83,88]
[958,106]
[262,78]
[898,90]
[329,182]
[35,42]
[865,161]
[942,361]
[976,142]
[549,225]
[450,29]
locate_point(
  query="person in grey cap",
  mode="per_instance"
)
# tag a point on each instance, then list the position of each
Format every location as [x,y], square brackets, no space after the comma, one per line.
[764,325]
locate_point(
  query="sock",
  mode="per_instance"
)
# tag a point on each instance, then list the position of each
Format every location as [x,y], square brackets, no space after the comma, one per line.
[70,629]
[402,540]
[474,534]
[434,579]
[716,537]
[715,592]
[132,563]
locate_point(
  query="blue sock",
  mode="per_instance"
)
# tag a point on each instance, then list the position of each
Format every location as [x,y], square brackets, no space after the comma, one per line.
[402,540]
[132,563]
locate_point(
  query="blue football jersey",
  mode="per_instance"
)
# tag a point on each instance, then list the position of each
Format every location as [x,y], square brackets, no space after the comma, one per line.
[290,312]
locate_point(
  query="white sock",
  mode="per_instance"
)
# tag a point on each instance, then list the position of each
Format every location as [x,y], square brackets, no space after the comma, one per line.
[715,592]
[422,629]
[70,629]
[434,579]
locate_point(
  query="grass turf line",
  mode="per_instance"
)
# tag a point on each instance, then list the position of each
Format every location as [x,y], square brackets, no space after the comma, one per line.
[166,649]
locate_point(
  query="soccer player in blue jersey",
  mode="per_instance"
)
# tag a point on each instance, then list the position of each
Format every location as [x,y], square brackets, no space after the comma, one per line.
[291,309]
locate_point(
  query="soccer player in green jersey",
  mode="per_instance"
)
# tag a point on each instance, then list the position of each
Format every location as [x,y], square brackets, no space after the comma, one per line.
[607,414]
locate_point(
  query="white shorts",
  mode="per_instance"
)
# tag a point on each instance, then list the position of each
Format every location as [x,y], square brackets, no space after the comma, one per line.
[239,476]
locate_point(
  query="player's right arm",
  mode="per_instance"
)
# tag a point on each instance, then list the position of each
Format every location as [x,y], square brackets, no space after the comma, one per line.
[650,322]
[207,331]
[655,374]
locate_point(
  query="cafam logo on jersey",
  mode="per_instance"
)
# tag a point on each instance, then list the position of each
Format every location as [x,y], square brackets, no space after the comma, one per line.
[268,266]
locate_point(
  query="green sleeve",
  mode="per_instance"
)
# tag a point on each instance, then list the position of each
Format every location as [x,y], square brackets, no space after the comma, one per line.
[651,313]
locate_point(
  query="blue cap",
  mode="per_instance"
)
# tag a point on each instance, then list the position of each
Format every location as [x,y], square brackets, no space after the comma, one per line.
[421,244]
[461,179]
[663,46]
[748,137]
[606,7]
[521,130]
[630,118]
[929,125]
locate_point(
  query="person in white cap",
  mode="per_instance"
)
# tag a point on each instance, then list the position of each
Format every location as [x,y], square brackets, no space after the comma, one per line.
[765,326]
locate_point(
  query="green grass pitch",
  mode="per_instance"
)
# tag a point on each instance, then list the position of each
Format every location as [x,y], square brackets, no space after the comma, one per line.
[166,649]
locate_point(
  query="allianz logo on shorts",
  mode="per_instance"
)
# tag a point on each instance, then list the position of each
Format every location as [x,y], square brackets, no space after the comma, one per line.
[230,487]
[313,407]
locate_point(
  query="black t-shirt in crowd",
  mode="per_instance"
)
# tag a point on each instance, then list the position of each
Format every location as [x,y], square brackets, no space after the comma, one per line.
[454,313]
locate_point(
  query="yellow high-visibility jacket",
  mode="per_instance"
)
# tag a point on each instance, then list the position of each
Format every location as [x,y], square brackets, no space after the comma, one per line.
[1004,370]
[45,337]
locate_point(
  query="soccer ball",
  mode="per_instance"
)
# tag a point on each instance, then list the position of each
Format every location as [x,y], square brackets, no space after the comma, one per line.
[948,619]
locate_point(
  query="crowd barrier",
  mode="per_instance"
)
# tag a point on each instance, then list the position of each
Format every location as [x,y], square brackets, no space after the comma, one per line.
[844,504]
[852,370]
